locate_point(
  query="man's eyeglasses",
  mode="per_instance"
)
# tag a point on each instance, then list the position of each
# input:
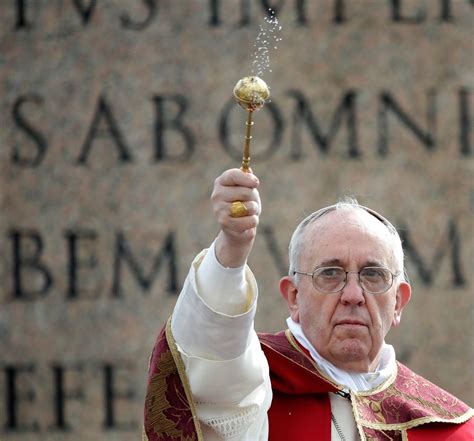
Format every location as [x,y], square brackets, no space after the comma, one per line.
[333,279]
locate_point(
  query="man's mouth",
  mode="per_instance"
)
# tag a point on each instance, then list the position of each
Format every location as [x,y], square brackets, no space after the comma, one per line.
[350,322]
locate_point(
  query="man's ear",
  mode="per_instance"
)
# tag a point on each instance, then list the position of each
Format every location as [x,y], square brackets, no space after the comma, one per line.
[289,291]
[403,297]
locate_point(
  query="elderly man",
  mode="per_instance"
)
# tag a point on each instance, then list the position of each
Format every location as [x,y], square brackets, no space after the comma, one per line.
[330,375]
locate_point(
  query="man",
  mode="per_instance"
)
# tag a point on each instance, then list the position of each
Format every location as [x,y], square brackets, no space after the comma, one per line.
[330,376]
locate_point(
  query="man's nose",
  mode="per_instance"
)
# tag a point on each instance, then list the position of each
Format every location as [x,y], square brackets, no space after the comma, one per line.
[352,293]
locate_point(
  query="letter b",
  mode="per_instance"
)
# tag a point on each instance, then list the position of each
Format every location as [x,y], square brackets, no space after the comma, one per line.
[27,247]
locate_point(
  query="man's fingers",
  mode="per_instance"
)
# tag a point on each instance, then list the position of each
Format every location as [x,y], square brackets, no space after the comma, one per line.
[224,215]
[230,194]
[237,233]
[237,178]
[253,208]
[222,209]
[232,186]
[238,225]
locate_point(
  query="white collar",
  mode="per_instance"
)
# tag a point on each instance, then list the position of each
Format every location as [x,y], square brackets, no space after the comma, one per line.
[352,380]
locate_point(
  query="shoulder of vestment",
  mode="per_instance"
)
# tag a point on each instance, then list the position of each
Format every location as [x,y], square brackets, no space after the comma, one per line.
[405,401]
[408,400]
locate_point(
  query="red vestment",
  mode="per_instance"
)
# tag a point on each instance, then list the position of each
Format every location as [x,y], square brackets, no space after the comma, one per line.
[405,407]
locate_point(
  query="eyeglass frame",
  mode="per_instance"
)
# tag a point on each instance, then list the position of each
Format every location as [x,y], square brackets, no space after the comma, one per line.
[394,276]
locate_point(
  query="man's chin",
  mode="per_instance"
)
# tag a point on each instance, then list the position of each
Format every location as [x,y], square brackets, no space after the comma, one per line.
[351,355]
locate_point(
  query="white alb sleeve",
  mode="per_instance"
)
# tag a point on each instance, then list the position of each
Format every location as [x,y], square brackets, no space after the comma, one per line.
[207,326]
[228,373]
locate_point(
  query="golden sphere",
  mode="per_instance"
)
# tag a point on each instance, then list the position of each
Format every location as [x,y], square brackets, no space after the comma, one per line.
[251,93]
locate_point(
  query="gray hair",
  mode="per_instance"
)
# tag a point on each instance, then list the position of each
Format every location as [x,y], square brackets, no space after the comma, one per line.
[346,203]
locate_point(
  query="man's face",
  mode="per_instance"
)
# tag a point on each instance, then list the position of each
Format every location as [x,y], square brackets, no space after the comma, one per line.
[346,328]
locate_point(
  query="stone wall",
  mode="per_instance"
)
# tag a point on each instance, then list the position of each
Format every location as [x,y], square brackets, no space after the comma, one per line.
[116,117]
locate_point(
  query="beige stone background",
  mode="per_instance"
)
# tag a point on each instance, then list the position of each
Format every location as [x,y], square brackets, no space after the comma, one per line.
[60,59]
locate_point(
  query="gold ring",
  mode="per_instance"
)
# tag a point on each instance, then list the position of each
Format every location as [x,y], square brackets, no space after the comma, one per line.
[238,209]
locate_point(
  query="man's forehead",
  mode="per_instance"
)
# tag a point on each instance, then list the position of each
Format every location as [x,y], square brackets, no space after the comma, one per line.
[345,221]
[349,214]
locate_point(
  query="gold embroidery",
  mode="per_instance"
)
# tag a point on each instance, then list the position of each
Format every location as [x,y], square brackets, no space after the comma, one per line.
[376,408]
[156,400]
[415,422]
[404,435]
[433,406]
[437,404]
[170,365]
[184,379]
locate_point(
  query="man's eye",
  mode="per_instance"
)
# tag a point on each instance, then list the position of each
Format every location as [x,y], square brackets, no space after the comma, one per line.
[373,273]
[330,272]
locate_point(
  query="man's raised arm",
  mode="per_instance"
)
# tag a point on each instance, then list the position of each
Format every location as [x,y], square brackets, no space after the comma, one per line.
[217,297]
[212,325]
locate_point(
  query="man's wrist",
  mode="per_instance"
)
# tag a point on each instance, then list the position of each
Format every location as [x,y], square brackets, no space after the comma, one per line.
[223,289]
[232,253]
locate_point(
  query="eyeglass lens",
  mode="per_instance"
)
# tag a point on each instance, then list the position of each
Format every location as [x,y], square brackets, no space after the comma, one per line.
[333,279]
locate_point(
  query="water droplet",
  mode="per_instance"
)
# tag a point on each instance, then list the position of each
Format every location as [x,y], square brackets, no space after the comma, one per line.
[267,38]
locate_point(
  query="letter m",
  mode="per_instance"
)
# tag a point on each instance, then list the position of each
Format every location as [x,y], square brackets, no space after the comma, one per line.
[123,255]
[346,111]
[450,243]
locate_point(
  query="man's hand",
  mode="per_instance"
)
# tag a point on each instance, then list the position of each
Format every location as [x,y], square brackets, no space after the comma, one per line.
[235,240]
